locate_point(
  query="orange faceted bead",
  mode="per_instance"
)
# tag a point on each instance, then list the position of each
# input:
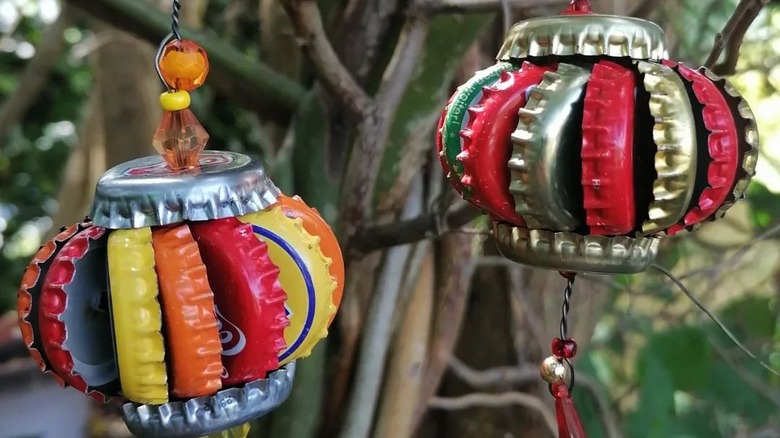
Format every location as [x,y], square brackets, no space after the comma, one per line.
[184,65]
[180,138]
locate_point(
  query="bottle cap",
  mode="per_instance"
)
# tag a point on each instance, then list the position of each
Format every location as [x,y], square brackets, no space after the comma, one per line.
[585,34]
[574,252]
[146,192]
[205,415]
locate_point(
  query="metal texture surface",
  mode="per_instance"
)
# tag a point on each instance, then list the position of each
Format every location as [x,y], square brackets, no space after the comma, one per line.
[28,298]
[574,252]
[748,139]
[248,298]
[674,133]
[542,183]
[303,273]
[136,316]
[456,116]
[194,350]
[205,415]
[146,192]
[587,34]
[487,144]
[74,323]
[608,150]
[722,148]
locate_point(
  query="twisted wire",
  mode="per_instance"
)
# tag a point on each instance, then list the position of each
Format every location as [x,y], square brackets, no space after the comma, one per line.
[175,12]
[564,327]
[174,35]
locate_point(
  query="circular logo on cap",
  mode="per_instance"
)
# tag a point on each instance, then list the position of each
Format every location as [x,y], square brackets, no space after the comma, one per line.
[212,158]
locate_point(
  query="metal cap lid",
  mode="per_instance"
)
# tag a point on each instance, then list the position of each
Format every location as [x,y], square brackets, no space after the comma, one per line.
[584,34]
[206,415]
[566,251]
[146,192]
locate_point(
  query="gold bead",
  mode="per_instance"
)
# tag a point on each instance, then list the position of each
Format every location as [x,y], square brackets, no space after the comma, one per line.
[175,100]
[552,370]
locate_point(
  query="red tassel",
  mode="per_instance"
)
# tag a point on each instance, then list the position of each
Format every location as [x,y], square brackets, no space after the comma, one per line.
[569,424]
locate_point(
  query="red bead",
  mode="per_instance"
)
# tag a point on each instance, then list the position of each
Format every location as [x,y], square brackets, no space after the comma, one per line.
[564,348]
[578,7]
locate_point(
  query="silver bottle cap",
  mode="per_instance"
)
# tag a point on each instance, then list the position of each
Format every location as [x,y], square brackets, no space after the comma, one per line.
[146,192]
[206,415]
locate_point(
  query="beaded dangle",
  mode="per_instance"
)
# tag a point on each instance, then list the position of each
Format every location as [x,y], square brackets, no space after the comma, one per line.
[554,370]
[182,66]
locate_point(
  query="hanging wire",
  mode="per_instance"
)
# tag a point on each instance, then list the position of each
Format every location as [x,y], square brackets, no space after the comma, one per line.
[567,291]
[175,11]
[564,327]
[174,35]
[714,318]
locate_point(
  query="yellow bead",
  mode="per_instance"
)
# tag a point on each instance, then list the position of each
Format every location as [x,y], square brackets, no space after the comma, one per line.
[175,101]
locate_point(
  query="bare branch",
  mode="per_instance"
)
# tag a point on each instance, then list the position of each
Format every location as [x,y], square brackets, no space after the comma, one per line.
[307,22]
[412,230]
[730,38]
[399,71]
[497,401]
[366,155]
[377,333]
[498,376]
[455,269]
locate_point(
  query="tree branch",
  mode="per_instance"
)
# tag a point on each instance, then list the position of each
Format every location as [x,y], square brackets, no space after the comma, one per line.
[307,22]
[732,35]
[399,70]
[498,376]
[412,230]
[251,84]
[497,401]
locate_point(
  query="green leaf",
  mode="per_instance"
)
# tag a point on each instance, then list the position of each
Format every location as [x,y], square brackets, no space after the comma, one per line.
[765,205]
[586,404]
[676,350]
[751,317]
[728,391]
[655,412]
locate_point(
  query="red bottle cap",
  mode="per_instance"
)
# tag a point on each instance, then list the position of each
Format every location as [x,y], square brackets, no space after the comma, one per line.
[249,301]
[73,316]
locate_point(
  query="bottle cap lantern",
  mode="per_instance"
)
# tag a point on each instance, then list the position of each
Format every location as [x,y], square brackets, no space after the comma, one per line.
[194,287]
[585,144]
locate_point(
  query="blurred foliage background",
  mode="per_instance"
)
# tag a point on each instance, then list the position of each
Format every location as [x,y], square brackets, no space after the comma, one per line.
[655,366]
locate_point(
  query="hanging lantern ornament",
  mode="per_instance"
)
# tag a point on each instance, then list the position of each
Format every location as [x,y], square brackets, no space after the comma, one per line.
[192,288]
[586,146]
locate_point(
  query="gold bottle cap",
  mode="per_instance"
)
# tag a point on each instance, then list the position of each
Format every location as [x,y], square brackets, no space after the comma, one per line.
[674,134]
[585,34]
[542,157]
[574,252]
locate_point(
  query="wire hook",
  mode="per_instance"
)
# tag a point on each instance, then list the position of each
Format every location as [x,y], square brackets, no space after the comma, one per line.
[174,35]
